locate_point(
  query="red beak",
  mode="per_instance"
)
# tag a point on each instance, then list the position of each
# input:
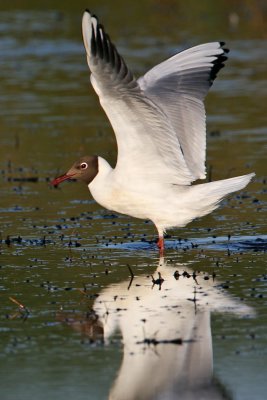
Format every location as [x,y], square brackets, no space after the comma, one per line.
[61,178]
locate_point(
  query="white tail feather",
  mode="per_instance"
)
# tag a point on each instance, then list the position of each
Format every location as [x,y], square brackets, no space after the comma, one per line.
[225,186]
[210,194]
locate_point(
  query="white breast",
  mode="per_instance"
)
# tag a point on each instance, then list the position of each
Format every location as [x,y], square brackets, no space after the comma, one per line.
[121,195]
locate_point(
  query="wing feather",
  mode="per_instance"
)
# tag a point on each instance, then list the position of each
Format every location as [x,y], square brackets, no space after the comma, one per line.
[178,86]
[145,136]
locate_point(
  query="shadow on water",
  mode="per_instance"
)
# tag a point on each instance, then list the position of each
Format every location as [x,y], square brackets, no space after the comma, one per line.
[165,327]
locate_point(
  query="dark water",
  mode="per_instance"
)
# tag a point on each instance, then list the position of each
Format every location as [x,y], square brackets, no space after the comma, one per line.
[82,311]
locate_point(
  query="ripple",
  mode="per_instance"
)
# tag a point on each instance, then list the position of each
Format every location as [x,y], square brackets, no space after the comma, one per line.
[220,243]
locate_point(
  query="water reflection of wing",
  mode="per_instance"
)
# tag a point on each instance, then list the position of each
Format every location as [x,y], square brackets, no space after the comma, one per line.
[166,334]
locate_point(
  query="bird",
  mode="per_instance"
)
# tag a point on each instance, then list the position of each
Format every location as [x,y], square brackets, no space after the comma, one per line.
[159,121]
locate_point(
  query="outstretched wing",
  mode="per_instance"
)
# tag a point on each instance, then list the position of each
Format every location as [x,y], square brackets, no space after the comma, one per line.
[178,86]
[148,147]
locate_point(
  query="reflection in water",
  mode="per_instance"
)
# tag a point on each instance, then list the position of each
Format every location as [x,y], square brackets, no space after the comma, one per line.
[164,321]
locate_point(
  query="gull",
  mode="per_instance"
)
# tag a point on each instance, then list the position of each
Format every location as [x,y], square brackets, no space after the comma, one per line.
[160,126]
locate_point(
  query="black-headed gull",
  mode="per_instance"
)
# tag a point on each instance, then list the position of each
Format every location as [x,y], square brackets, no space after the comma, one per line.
[159,123]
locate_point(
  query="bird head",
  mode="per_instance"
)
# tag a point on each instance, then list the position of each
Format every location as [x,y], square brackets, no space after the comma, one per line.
[85,170]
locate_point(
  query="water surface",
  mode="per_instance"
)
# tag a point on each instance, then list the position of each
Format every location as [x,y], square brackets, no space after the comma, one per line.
[74,320]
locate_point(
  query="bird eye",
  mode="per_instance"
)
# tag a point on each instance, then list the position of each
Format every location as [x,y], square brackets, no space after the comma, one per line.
[84,165]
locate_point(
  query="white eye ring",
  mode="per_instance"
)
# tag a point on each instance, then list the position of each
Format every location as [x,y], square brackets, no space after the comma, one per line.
[84,165]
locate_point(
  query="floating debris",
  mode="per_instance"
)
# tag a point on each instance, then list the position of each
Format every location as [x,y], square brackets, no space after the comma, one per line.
[158,281]
[24,179]
[155,342]
[23,310]
[176,275]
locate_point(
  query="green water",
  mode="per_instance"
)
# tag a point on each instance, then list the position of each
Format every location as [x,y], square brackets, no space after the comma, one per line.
[82,326]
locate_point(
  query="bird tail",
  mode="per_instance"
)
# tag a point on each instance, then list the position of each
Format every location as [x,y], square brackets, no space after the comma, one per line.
[210,194]
[198,200]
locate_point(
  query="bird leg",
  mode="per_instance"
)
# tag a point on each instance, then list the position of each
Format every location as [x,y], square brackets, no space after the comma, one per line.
[160,244]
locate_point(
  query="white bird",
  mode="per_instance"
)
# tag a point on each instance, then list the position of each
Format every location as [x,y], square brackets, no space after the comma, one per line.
[159,123]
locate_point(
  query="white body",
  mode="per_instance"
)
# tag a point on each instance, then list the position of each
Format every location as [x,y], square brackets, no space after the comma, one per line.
[166,205]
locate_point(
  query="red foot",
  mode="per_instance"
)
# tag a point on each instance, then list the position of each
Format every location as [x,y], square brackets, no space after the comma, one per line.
[160,244]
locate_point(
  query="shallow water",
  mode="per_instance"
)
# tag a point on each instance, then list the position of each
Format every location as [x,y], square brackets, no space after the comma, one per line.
[82,311]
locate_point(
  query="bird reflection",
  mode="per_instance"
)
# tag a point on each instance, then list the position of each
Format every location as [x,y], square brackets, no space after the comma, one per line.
[166,333]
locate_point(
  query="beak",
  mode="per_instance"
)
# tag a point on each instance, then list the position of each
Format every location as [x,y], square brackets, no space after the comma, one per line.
[61,178]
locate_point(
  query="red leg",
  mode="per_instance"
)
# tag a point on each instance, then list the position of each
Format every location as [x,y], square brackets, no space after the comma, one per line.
[160,244]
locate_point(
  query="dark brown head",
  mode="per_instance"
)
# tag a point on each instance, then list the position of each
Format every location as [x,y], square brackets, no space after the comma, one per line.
[85,170]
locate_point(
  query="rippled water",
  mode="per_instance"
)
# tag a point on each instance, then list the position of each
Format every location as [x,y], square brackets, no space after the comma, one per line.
[83,312]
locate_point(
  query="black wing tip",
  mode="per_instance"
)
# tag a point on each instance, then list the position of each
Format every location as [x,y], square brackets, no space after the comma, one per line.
[218,64]
[225,49]
[91,14]
[101,27]
[103,50]
[101,45]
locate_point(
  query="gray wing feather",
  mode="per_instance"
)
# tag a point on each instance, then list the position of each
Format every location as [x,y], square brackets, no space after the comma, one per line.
[178,86]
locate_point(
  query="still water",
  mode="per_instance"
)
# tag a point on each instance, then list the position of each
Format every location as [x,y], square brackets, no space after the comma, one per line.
[84,312]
